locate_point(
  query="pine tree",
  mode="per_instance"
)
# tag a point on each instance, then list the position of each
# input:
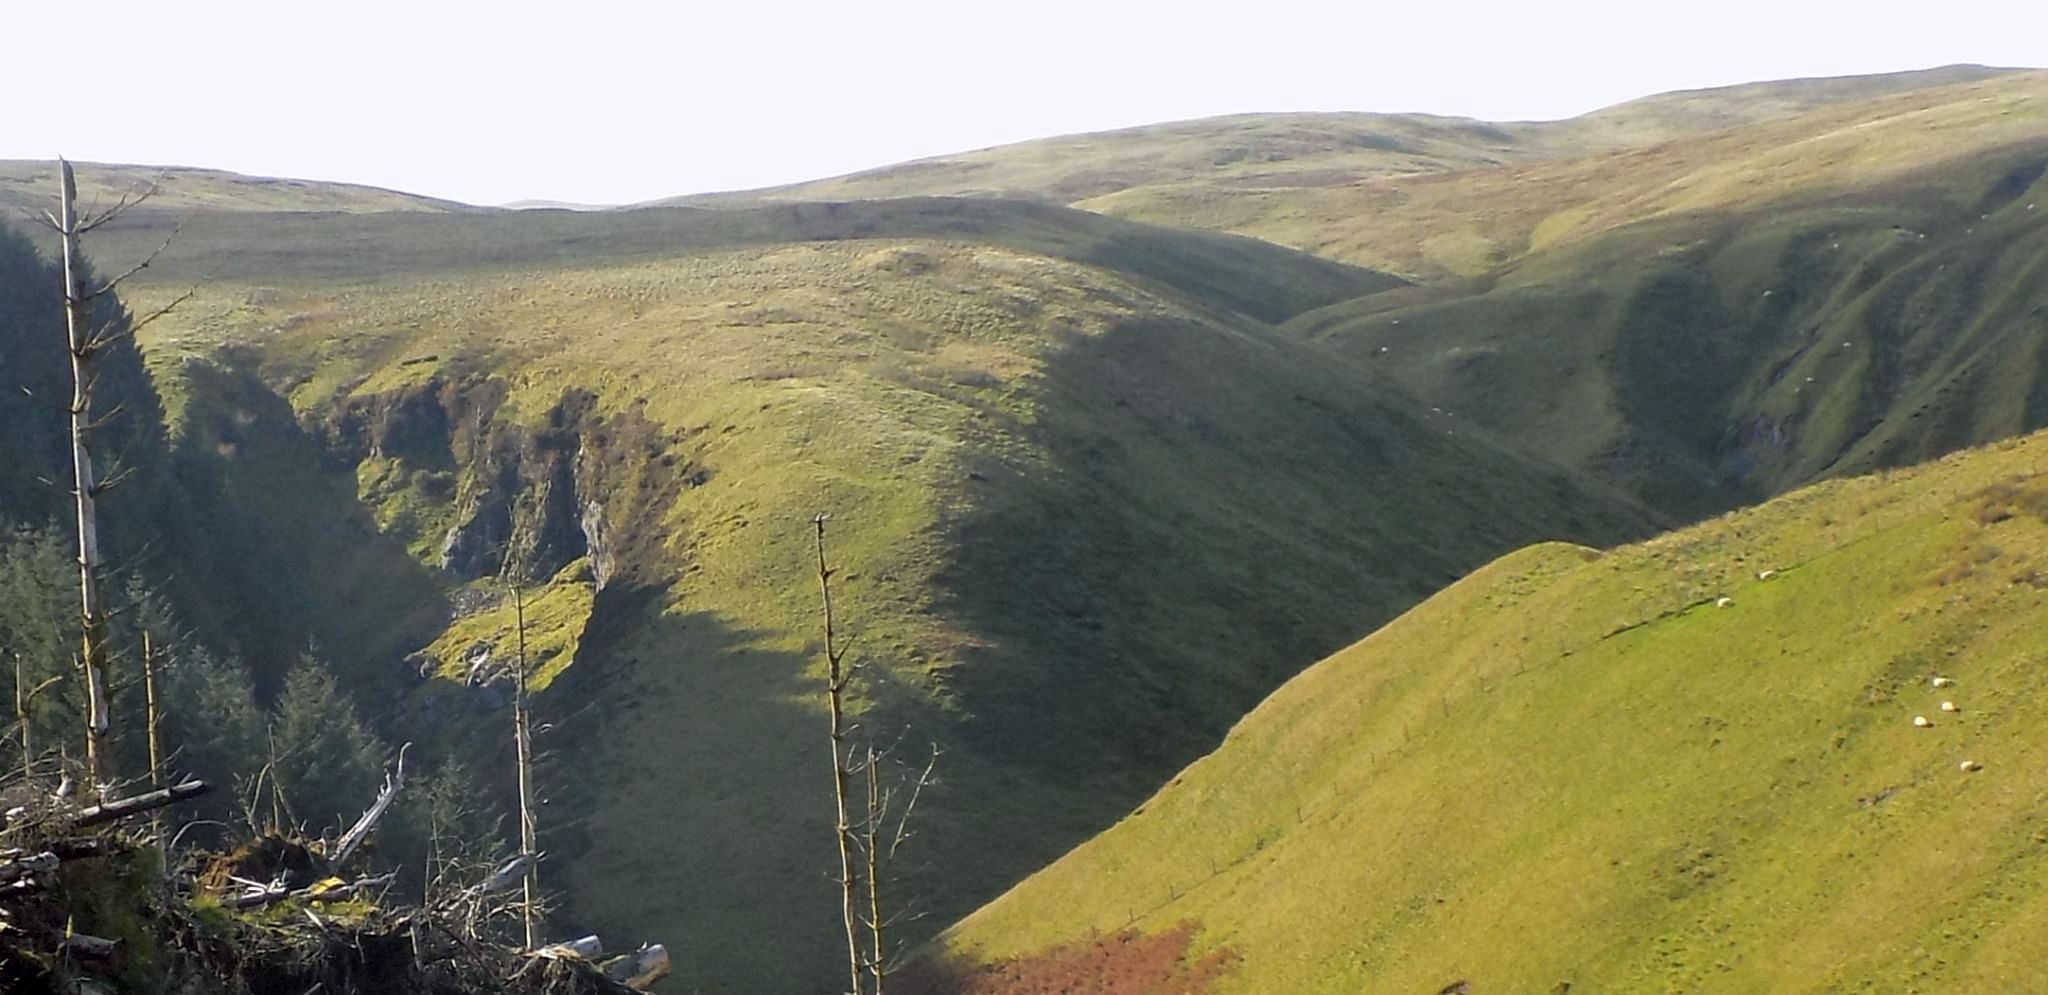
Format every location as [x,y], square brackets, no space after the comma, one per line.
[211,718]
[328,762]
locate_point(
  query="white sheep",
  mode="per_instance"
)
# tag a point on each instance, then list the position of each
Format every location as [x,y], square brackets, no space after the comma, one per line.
[1723,601]
[1942,682]
[1949,706]
[1922,722]
[1970,766]
[1766,574]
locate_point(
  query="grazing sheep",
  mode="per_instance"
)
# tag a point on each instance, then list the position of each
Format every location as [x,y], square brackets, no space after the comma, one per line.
[1942,682]
[1922,722]
[1949,706]
[1723,601]
[1766,574]
[1970,766]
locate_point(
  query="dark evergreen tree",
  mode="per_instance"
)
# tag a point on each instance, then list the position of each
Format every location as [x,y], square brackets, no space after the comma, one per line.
[38,640]
[329,764]
[212,725]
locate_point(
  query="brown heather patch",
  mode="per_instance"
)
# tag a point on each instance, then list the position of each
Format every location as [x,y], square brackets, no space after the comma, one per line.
[1124,963]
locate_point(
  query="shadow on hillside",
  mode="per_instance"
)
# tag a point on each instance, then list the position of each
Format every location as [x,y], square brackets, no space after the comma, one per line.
[682,731]
[1220,511]
[274,552]
[704,747]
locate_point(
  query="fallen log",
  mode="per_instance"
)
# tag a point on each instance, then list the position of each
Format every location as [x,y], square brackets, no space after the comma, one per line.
[91,947]
[115,811]
[15,870]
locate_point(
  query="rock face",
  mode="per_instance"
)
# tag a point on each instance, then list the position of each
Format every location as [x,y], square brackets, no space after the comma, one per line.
[534,497]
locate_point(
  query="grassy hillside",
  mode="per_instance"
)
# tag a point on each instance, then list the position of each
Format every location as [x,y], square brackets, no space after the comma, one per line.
[1096,485]
[1442,225]
[1240,151]
[1576,770]
[1715,357]
[1257,278]
[1430,197]
[1267,155]
[1666,116]
[1088,505]
[32,184]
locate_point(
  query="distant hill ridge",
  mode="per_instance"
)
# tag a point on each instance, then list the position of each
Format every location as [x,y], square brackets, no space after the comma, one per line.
[1325,149]
[30,183]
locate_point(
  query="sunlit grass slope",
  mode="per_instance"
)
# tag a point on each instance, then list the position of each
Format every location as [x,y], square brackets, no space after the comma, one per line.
[1719,357]
[1433,197]
[1466,222]
[1581,770]
[1265,154]
[1087,505]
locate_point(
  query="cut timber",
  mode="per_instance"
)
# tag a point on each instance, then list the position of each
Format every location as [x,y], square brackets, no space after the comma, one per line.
[117,810]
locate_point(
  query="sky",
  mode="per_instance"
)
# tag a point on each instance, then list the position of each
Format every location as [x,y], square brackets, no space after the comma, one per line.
[607,101]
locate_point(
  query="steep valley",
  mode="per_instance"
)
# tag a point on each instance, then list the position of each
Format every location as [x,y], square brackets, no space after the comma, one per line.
[1086,503]
[1115,436]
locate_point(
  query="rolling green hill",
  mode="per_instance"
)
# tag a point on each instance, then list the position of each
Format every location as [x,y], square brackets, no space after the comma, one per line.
[1098,485]
[1430,197]
[1440,226]
[1582,771]
[1712,358]
[1088,504]
[31,184]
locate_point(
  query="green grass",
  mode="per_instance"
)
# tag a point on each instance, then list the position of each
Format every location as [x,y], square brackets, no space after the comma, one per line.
[1590,187]
[1437,198]
[555,616]
[1716,358]
[1087,502]
[1573,767]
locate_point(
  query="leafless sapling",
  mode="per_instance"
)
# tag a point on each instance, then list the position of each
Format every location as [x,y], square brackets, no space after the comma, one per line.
[522,740]
[867,847]
[836,678]
[879,845]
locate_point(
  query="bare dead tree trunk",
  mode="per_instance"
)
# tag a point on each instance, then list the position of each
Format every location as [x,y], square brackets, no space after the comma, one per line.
[21,716]
[85,344]
[156,754]
[86,490]
[25,711]
[835,699]
[522,736]
[522,742]
[871,839]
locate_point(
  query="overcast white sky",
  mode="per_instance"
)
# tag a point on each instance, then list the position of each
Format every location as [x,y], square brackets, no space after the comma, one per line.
[612,101]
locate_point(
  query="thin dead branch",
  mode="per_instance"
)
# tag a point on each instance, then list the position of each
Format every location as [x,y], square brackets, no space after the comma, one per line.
[835,698]
[352,839]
